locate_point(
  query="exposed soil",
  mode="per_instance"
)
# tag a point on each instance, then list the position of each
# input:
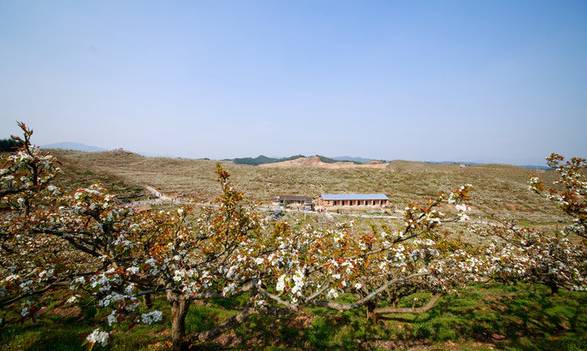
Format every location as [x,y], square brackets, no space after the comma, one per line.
[314,161]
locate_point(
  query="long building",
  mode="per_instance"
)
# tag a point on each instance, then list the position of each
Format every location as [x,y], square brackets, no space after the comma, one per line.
[378,200]
[286,200]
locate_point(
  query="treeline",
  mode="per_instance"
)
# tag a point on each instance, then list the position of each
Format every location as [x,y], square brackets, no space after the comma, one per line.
[9,145]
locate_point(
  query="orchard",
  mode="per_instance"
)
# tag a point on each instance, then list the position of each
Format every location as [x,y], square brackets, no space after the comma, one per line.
[88,245]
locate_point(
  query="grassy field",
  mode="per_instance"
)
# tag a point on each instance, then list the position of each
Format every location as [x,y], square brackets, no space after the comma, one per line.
[498,189]
[518,317]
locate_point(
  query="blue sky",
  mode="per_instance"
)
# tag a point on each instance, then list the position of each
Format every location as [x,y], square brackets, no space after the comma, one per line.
[494,81]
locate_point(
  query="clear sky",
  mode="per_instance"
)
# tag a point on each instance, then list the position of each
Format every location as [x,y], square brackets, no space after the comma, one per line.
[489,81]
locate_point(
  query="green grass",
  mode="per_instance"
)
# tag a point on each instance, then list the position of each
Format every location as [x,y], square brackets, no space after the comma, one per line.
[518,317]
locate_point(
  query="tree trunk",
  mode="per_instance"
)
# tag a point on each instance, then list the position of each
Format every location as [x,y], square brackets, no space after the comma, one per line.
[371,315]
[553,288]
[148,299]
[179,309]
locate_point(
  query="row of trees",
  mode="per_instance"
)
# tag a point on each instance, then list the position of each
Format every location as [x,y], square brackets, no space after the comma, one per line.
[87,242]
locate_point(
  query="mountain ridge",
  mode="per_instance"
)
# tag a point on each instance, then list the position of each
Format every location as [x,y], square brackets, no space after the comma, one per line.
[73,146]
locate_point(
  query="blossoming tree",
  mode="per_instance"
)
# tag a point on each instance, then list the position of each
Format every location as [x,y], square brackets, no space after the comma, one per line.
[88,241]
[569,191]
[557,259]
[516,253]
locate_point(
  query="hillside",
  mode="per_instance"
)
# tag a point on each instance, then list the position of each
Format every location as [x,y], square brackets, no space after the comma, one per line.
[80,174]
[498,189]
[264,160]
[323,162]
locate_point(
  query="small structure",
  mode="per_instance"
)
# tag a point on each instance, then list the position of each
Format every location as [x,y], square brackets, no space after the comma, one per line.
[299,200]
[374,200]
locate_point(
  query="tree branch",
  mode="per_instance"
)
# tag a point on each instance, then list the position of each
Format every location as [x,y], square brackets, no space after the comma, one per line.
[427,307]
[371,296]
[277,299]
[228,324]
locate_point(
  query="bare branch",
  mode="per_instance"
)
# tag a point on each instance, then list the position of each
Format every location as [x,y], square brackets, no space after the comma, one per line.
[427,307]
[228,324]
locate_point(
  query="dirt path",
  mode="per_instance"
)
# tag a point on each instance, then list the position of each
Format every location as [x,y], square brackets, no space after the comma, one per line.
[160,199]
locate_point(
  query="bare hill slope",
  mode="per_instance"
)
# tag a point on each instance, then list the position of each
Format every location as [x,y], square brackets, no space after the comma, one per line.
[80,173]
[498,189]
[315,161]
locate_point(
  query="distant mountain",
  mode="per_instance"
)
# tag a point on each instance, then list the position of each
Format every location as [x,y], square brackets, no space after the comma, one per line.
[262,159]
[353,159]
[469,163]
[333,160]
[545,168]
[73,146]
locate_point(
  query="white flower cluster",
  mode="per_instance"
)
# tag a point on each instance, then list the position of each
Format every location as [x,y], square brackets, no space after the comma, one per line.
[298,279]
[112,318]
[98,337]
[280,283]
[151,317]
[72,299]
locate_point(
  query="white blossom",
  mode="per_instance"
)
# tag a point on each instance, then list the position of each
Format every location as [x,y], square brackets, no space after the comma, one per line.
[151,317]
[98,337]
[332,294]
[72,299]
[24,311]
[112,318]
[280,283]
[298,279]
[133,270]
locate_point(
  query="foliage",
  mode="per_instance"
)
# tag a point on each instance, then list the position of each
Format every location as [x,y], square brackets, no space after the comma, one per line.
[9,145]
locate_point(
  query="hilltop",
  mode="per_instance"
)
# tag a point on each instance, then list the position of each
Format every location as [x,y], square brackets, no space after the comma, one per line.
[323,162]
[264,160]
